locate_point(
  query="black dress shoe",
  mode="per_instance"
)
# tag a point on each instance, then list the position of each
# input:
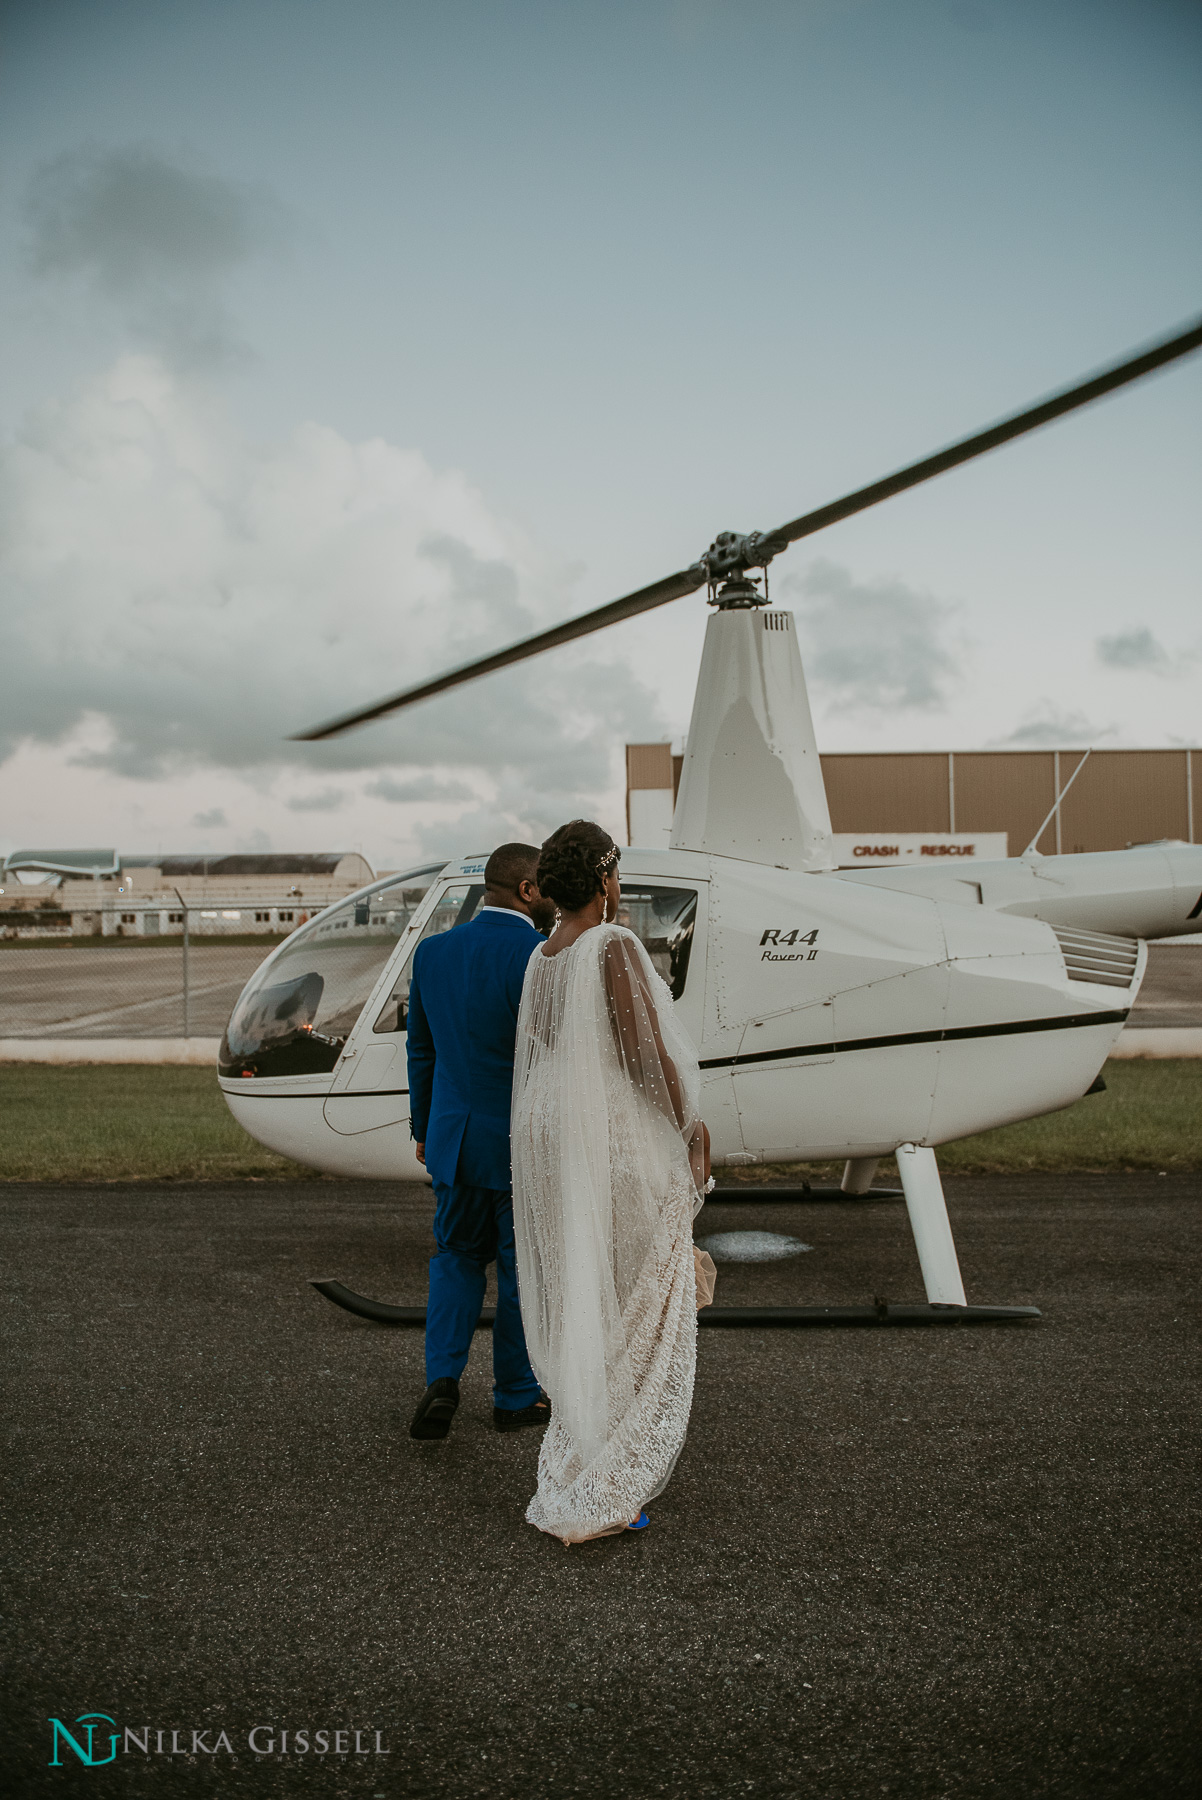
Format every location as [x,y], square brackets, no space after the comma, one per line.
[537,1413]
[436,1409]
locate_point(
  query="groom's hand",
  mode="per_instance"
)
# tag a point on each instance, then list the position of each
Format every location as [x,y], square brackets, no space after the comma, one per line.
[421,1154]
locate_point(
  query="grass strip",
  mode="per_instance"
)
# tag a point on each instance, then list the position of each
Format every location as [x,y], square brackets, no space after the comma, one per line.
[134,1122]
[126,1122]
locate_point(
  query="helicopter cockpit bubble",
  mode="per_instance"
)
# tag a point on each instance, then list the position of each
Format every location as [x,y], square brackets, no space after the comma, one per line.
[298,1009]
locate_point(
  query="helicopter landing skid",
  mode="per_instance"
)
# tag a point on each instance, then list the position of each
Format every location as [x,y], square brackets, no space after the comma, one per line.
[798,1196]
[880,1312]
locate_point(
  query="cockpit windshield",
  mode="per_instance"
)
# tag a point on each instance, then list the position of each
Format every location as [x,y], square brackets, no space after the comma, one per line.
[296,1013]
[664,918]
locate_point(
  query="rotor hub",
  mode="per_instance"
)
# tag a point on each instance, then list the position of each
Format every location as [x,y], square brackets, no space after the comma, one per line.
[727,561]
[737,593]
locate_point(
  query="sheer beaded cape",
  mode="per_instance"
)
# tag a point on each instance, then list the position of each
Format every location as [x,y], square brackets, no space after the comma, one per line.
[605,1101]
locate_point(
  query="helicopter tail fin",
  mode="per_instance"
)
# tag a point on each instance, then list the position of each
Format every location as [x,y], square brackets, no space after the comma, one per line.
[751,786]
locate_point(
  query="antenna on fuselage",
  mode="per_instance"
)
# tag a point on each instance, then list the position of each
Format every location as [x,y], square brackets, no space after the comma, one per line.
[1030,849]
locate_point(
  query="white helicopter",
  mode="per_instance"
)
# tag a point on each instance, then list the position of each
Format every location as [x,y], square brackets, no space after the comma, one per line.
[838,1014]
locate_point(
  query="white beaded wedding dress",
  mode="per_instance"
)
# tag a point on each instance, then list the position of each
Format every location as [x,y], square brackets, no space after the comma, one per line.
[605,1108]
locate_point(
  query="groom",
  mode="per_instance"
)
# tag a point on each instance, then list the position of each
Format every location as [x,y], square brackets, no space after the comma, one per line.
[463,1009]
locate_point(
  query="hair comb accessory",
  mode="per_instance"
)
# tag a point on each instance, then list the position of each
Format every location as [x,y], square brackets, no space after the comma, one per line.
[607,862]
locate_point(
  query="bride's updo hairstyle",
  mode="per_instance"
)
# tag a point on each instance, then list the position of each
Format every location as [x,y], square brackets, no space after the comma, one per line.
[574,862]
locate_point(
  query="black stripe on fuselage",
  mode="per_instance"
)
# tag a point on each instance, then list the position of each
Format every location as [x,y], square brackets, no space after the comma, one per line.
[325,1094]
[1011,1028]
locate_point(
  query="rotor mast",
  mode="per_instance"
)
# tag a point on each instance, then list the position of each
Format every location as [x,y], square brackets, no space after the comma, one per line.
[751,785]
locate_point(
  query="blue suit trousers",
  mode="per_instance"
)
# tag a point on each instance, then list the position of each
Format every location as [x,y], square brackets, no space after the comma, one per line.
[473,1226]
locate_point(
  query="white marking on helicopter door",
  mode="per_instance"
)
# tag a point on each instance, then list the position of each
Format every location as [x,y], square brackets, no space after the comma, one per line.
[372,1068]
[783,1079]
[365,1096]
[890,1083]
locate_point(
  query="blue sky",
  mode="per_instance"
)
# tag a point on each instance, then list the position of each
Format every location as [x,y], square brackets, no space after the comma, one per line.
[343,340]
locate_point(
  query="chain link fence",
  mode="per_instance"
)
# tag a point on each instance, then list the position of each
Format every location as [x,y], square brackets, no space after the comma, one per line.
[154,971]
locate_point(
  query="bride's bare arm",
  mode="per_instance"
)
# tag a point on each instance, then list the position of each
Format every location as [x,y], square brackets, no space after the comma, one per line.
[699,1154]
[635,1020]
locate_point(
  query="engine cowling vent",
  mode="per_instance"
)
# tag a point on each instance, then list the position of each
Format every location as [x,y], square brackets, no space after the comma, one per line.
[1098,957]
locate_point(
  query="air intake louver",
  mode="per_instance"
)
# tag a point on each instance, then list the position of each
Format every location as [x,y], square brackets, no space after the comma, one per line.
[1095,956]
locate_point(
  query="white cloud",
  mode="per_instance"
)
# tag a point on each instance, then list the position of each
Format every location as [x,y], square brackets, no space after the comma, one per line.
[425,788]
[876,645]
[1055,725]
[1140,651]
[324,800]
[176,599]
[153,237]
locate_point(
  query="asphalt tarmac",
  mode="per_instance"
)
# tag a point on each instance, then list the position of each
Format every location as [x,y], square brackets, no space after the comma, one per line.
[116,989]
[938,1561]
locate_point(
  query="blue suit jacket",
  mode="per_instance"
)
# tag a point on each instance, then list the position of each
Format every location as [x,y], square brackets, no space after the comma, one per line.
[463,1014]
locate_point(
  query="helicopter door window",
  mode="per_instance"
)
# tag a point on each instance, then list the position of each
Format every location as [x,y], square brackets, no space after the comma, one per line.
[665,919]
[296,1013]
[454,907]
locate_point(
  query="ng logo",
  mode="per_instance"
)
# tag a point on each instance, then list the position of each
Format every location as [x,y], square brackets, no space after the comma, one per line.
[87,1720]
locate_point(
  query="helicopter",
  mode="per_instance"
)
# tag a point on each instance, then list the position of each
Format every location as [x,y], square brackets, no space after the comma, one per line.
[838,1014]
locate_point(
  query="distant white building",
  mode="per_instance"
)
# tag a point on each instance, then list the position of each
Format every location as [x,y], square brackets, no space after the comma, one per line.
[652,778]
[91,893]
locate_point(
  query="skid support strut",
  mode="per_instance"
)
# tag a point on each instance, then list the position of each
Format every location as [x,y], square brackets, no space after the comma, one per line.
[929,1222]
[858,1174]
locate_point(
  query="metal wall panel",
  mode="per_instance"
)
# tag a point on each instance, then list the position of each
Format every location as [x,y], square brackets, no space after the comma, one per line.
[904,792]
[1008,791]
[1123,797]
[649,766]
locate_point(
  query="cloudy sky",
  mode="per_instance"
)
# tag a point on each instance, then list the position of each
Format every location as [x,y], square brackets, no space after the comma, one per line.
[344,341]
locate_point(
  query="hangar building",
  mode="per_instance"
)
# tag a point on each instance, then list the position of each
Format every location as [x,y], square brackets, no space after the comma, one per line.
[889,806]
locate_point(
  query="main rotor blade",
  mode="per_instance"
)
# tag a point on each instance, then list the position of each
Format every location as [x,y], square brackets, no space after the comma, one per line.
[672,588]
[687,581]
[1054,407]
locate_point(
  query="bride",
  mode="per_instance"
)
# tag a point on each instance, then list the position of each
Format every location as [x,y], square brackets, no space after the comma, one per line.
[610,1161]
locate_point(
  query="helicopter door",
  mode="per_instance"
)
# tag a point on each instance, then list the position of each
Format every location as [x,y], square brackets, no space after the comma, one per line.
[371,1088]
[784,1080]
[888,1033]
